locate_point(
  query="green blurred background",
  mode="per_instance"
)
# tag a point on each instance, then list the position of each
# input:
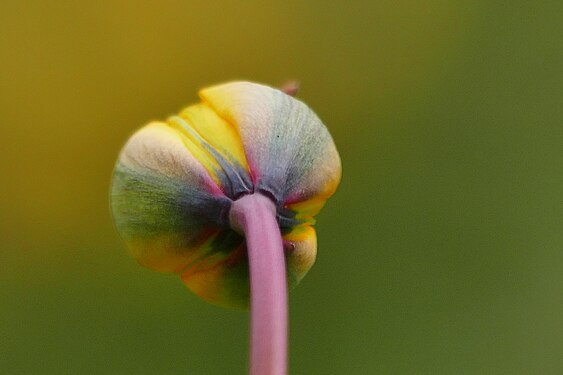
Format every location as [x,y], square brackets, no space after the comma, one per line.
[441,253]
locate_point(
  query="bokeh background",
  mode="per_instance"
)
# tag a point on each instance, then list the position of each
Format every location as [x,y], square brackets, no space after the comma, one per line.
[441,253]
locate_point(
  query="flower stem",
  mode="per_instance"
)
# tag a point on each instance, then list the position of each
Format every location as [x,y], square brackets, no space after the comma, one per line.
[255,216]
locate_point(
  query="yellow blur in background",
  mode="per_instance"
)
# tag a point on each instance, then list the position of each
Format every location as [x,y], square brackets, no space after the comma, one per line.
[441,252]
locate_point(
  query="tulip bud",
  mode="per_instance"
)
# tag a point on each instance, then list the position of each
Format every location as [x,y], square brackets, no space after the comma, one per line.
[175,181]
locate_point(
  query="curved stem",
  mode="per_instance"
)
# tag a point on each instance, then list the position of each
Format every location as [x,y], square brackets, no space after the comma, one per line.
[291,88]
[255,216]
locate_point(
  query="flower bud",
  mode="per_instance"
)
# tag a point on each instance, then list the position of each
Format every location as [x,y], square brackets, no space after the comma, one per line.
[174,183]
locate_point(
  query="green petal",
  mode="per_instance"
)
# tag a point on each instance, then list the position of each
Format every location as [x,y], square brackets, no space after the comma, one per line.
[164,202]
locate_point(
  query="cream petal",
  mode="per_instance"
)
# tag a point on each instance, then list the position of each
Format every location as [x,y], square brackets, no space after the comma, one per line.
[289,151]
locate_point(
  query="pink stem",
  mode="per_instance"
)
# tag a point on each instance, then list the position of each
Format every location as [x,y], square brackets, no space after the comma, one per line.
[255,216]
[291,88]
